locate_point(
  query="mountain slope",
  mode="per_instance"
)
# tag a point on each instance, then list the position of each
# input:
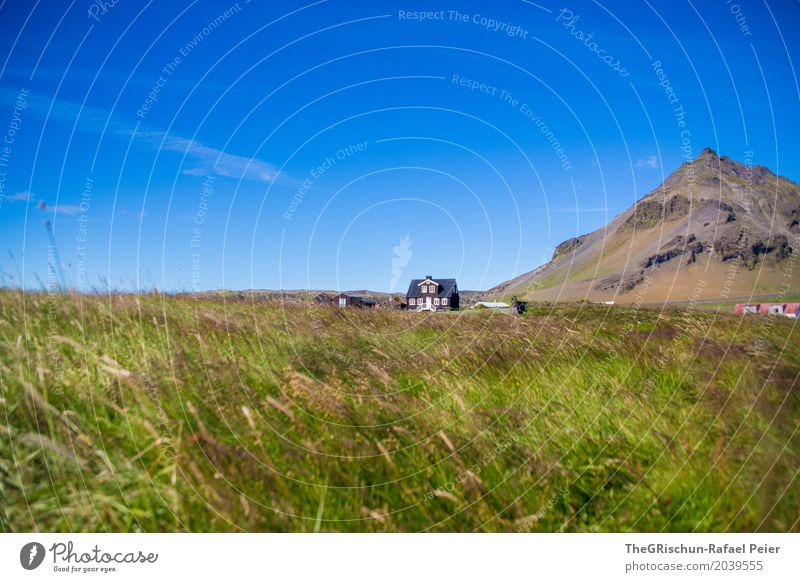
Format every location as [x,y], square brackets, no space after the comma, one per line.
[714,228]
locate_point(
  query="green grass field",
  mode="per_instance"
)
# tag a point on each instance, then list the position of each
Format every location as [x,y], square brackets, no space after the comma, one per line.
[152,413]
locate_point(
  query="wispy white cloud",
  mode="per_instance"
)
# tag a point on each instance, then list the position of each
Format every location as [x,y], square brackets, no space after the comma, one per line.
[201,159]
[648,162]
[67,209]
[207,160]
[19,197]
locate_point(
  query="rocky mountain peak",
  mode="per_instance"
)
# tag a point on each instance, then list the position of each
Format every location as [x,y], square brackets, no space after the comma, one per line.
[708,153]
[713,214]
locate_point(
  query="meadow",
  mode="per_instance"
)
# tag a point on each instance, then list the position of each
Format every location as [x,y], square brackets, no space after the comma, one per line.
[161,413]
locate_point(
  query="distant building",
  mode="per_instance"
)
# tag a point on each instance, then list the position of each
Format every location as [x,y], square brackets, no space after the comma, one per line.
[431,294]
[786,309]
[348,300]
[516,307]
[323,298]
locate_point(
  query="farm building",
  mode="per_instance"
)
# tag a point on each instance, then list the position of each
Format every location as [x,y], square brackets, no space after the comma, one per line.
[516,306]
[431,294]
[786,309]
[348,300]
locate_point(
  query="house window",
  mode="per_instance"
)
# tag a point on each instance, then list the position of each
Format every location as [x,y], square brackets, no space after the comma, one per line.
[436,301]
[444,300]
[411,301]
[342,302]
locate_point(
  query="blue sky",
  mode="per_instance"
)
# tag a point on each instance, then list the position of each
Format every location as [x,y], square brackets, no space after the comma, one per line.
[357,145]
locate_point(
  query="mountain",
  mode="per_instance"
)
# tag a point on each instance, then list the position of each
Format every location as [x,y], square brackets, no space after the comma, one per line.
[716,228]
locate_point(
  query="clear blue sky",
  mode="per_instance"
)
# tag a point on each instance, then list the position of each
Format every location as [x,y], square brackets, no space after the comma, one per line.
[459,118]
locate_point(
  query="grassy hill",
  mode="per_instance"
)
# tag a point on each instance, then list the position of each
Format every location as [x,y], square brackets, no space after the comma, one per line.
[156,413]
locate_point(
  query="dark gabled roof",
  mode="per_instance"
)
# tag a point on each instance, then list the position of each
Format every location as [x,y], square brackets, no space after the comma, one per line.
[352,296]
[445,287]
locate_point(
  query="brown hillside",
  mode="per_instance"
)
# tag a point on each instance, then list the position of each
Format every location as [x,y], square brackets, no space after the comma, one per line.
[714,228]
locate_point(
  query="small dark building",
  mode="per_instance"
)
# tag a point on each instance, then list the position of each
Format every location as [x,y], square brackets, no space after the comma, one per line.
[518,306]
[323,298]
[431,294]
[348,300]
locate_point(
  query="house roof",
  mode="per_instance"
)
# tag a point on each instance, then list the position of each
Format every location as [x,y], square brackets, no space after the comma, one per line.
[356,298]
[446,287]
[492,304]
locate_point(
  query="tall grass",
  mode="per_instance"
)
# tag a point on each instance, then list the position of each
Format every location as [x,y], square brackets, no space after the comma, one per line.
[156,413]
